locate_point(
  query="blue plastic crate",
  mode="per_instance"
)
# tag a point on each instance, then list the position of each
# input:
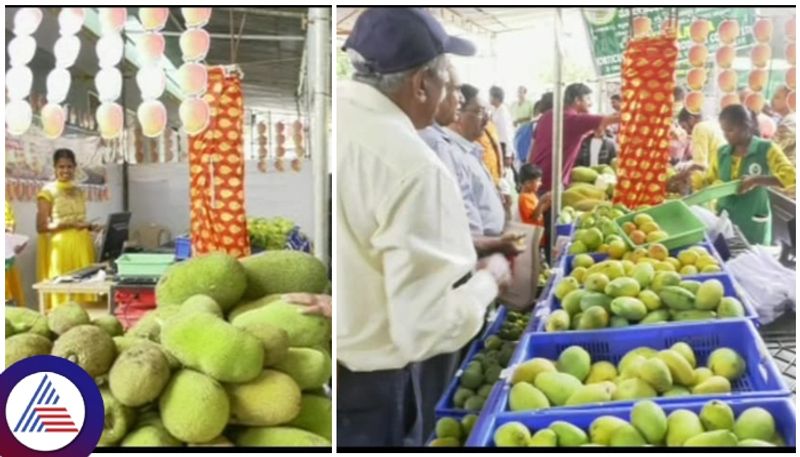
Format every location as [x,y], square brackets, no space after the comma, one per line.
[761,379]
[782,410]
[566,261]
[183,248]
[728,283]
[496,323]
[564,229]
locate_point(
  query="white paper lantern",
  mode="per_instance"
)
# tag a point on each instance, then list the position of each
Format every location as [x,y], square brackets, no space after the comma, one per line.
[18,117]
[66,50]
[194,44]
[27,20]
[193,78]
[194,114]
[152,117]
[108,82]
[70,20]
[196,17]
[58,82]
[109,120]
[153,18]
[109,50]
[151,82]
[112,20]
[21,50]
[19,81]
[150,48]
[53,120]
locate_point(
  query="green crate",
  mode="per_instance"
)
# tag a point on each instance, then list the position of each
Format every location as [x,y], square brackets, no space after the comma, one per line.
[132,265]
[714,192]
[675,218]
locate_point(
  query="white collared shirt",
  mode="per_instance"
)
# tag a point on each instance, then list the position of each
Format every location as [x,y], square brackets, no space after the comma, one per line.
[402,242]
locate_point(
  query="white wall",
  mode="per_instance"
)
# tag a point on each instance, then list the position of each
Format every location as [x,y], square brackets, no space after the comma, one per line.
[25,213]
[159,193]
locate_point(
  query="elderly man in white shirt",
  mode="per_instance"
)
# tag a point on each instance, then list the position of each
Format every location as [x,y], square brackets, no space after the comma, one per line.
[408,287]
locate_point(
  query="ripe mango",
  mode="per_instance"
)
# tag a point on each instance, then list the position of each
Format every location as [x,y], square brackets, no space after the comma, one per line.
[682,424]
[690,285]
[568,434]
[677,391]
[643,351]
[530,369]
[730,307]
[714,438]
[693,315]
[558,387]
[712,385]
[650,420]
[681,371]
[701,374]
[579,273]
[603,427]
[557,321]
[677,298]
[623,287]
[618,322]
[709,295]
[526,397]
[590,393]
[566,286]
[650,299]
[601,371]
[611,268]
[512,434]
[727,363]
[630,308]
[544,438]
[575,361]
[593,318]
[596,282]
[595,299]
[627,436]
[655,317]
[663,279]
[717,415]
[632,389]
[582,260]
[643,273]
[686,351]
[656,373]
[572,301]
[688,270]
[755,443]
[754,423]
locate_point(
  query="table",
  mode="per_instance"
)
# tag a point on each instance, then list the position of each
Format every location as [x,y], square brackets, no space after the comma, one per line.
[74,288]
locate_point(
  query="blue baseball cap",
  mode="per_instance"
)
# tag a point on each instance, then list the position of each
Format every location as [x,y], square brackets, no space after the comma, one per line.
[399,39]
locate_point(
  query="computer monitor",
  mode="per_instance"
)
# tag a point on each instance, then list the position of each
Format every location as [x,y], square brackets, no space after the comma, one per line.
[116,235]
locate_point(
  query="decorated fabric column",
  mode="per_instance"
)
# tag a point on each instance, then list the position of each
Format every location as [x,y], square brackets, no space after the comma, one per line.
[648,79]
[216,169]
[19,78]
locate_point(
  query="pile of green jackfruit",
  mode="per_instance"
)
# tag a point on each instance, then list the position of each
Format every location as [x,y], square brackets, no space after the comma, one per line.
[222,361]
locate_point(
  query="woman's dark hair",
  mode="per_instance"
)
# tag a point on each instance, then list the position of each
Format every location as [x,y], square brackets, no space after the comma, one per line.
[575,91]
[529,172]
[546,102]
[497,93]
[469,92]
[741,117]
[685,115]
[64,153]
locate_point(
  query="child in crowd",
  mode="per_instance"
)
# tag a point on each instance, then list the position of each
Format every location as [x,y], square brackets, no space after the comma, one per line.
[531,207]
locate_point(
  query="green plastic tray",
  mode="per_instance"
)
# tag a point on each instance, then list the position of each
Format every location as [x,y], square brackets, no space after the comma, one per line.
[714,192]
[676,219]
[129,265]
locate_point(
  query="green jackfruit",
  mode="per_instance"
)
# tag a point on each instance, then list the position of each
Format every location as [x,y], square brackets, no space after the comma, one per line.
[207,343]
[219,276]
[310,368]
[194,407]
[150,435]
[274,339]
[67,316]
[149,326]
[9,329]
[24,345]
[315,416]
[25,320]
[251,305]
[119,419]
[278,272]
[139,375]
[273,398]
[201,303]
[89,347]
[304,330]
[123,343]
[279,436]
[110,324]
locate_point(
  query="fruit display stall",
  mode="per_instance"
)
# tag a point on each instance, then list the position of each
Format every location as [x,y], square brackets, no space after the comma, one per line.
[642,336]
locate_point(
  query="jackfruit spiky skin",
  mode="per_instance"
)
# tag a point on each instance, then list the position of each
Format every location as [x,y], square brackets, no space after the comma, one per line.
[110,324]
[139,375]
[246,306]
[206,343]
[89,347]
[271,399]
[25,345]
[278,272]
[315,416]
[219,276]
[274,339]
[279,436]
[67,316]
[151,433]
[309,368]
[194,407]
[26,320]
[304,330]
[201,303]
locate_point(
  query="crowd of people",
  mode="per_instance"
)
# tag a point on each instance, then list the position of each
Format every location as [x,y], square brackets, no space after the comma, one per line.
[430,171]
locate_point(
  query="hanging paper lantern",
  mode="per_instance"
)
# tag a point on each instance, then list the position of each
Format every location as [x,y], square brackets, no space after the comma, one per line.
[108,82]
[279,164]
[727,80]
[791,77]
[153,19]
[694,102]
[58,82]
[755,102]
[296,164]
[698,55]
[18,117]
[762,30]
[151,82]
[109,50]
[70,20]
[194,114]
[791,53]
[27,20]
[193,78]
[729,99]
[18,82]
[725,56]
[112,20]
[195,44]
[66,50]
[642,25]
[760,55]
[699,30]
[53,120]
[728,31]
[262,128]
[791,101]
[21,50]
[757,80]
[152,117]
[696,78]
[196,17]
[109,120]
[150,47]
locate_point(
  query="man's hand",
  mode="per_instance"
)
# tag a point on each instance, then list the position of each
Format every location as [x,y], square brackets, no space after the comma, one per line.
[511,244]
[547,200]
[751,182]
[317,304]
[20,248]
[497,266]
